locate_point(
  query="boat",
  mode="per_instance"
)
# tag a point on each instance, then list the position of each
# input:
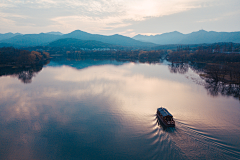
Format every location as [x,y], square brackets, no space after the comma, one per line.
[165,117]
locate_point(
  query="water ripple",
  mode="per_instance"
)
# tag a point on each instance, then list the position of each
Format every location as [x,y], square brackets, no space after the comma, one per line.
[201,145]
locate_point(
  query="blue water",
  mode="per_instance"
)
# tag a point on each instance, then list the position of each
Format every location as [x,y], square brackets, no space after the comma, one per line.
[107,110]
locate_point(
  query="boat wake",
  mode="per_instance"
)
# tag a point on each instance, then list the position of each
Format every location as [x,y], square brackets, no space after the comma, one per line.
[185,142]
[198,144]
[160,144]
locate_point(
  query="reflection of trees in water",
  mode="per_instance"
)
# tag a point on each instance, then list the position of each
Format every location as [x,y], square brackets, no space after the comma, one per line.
[102,58]
[181,68]
[25,75]
[197,67]
[213,85]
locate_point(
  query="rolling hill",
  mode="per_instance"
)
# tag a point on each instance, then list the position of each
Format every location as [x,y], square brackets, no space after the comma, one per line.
[8,35]
[78,43]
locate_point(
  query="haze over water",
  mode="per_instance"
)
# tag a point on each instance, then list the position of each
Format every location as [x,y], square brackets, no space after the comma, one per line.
[107,110]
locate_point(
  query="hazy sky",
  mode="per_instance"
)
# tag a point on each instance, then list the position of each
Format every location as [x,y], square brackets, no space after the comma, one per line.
[127,17]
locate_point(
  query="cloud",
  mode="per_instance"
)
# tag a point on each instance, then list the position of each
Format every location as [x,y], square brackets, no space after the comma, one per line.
[95,15]
[208,20]
[110,83]
[117,14]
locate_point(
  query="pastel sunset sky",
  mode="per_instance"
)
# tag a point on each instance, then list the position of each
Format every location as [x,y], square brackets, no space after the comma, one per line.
[126,17]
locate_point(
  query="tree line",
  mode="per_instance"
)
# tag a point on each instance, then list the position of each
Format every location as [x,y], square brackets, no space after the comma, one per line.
[10,56]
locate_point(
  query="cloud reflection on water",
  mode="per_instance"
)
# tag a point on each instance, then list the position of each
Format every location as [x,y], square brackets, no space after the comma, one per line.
[100,110]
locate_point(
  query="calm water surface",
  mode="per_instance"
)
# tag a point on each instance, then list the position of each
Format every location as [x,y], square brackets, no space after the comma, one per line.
[107,110]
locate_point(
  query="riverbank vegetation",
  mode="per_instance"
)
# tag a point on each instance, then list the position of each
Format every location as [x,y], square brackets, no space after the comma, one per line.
[213,86]
[13,57]
[22,64]
[221,63]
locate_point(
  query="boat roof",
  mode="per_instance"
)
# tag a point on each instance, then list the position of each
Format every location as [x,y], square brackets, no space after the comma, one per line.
[164,112]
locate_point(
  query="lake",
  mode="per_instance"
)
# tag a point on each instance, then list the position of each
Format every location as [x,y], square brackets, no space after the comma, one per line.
[107,110]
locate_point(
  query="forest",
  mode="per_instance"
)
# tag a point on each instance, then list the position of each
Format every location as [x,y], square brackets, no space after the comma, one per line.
[22,64]
[10,56]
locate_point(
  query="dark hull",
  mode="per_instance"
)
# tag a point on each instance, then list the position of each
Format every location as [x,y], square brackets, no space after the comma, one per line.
[164,123]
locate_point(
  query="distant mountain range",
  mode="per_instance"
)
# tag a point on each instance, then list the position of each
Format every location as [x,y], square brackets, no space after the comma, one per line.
[44,39]
[27,40]
[82,39]
[198,37]
[55,33]
[114,39]
[8,35]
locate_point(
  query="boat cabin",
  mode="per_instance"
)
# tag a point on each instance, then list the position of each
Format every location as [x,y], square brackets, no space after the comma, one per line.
[165,117]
